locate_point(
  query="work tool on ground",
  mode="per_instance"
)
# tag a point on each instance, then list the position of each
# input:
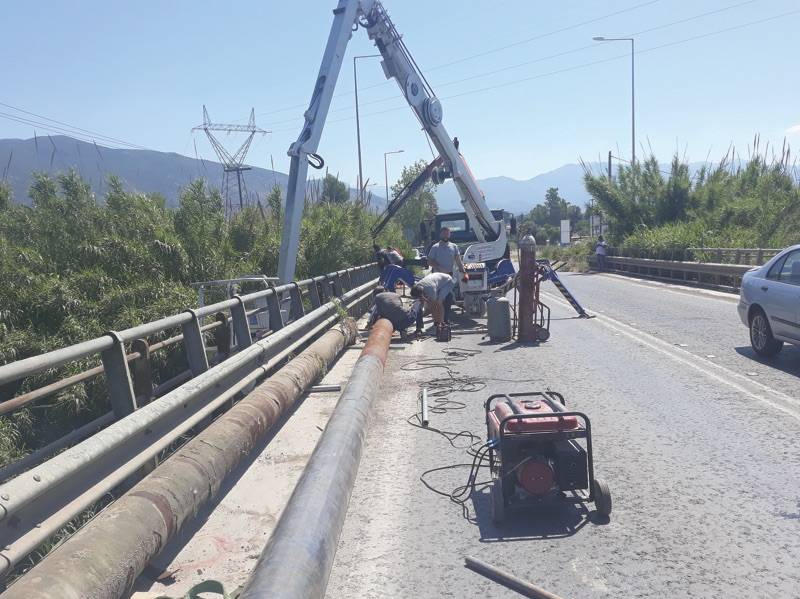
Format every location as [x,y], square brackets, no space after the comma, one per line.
[539,450]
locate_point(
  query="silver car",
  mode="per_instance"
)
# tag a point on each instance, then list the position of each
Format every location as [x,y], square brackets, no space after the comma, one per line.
[769,302]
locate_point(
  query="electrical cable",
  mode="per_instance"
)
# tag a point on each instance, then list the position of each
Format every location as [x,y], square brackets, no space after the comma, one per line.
[575,67]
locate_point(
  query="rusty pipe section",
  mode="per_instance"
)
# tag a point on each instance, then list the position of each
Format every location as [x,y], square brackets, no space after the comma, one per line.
[103,559]
[296,562]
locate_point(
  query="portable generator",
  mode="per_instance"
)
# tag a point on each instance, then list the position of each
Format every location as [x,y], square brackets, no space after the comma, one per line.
[538,449]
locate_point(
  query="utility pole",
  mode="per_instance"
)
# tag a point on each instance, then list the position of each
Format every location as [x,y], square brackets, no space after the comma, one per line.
[358,123]
[609,166]
[633,101]
[386,170]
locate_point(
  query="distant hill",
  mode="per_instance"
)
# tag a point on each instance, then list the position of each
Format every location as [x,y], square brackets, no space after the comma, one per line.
[140,170]
[521,196]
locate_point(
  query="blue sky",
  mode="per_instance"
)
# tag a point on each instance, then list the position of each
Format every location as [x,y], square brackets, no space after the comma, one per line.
[142,71]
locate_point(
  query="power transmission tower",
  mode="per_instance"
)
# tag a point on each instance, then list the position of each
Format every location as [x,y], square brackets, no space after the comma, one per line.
[233,165]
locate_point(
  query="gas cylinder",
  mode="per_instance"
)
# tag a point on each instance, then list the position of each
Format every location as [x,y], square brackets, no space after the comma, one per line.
[498,319]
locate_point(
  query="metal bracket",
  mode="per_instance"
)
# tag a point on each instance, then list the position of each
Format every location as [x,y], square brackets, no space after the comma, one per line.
[118,378]
[241,328]
[274,308]
[193,345]
[141,373]
[297,309]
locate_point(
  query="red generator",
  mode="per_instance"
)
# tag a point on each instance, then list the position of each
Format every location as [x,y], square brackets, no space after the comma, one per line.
[538,449]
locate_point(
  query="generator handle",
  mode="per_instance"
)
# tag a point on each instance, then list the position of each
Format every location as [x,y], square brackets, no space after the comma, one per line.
[552,395]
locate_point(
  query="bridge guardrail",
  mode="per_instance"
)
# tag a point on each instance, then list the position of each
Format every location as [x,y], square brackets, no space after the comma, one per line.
[36,503]
[727,277]
[745,256]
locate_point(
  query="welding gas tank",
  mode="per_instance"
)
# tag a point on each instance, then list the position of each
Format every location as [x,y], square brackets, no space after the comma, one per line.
[498,319]
[524,406]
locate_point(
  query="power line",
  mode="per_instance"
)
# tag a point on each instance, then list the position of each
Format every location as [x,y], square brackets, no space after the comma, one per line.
[579,66]
[73,127]
[539,59]
[466,58]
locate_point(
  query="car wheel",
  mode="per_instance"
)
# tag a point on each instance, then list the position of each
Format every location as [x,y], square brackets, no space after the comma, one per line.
[761,339]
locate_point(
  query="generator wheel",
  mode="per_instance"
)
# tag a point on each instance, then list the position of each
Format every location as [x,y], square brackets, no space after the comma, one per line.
[602,497]
[498,506]
[543,334]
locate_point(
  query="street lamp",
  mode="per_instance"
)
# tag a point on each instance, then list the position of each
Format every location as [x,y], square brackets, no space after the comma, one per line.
[386,170]
[358,123]
[633,96]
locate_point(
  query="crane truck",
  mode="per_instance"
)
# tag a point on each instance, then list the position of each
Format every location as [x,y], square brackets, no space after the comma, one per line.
[398,64]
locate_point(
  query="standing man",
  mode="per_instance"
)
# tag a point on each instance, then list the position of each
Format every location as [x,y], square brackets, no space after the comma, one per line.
[436,290]
[443,256]
[600,252]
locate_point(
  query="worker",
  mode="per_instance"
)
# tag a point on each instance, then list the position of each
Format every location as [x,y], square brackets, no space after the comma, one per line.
[394,256]
[390,306]
[455,143]
[600,249]
[444,256]
[436,290]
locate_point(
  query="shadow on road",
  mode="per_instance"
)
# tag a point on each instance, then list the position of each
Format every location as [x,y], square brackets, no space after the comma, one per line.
[552,519]
[787,361]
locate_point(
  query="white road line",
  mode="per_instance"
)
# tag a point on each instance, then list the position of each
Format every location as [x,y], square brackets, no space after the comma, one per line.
[781,401]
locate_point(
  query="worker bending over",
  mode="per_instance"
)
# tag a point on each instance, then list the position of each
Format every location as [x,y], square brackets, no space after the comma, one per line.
[390,306]
[443,256]
[436,290]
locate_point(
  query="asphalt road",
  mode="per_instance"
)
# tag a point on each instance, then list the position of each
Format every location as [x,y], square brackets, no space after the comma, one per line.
[696,439]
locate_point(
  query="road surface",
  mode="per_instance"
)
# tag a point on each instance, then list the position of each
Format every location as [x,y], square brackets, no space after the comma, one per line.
[697,440]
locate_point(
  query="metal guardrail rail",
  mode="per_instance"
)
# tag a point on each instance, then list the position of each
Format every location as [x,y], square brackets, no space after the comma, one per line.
[727,277]
[744,256]
[38,502]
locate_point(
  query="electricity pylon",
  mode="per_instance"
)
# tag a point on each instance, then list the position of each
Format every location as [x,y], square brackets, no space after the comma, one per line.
[233,165]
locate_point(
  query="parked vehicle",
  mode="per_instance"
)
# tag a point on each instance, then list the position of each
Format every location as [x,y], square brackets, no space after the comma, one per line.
[769,302]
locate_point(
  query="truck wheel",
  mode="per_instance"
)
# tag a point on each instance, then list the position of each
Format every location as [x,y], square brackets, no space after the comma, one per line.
[602,497]
[761,339]
[498,505]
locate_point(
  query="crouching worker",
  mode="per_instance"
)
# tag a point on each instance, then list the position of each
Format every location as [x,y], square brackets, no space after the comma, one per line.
[436,290]
[389,305]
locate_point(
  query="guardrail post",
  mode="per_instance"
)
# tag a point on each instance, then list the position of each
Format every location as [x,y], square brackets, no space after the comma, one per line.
[241,328]
[141,372]
[737,257]
[297,310]
[337,285]
[349,280]
[274,308]
[222,336]
[314,294]
[118,378]
[193,345]
[760,257]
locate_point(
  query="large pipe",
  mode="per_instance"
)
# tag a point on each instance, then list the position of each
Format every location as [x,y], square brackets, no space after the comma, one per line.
[103,560]
[526,285]
[297,561]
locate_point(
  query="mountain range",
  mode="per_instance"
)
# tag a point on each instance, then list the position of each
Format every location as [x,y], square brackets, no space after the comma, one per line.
[168,172]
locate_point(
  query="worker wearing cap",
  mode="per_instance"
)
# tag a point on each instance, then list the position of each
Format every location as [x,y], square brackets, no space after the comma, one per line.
[436,290]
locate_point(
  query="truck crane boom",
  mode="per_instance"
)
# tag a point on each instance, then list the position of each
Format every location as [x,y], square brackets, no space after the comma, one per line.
[398,64]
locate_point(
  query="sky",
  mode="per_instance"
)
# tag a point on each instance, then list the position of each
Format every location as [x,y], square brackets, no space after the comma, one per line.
[522,84]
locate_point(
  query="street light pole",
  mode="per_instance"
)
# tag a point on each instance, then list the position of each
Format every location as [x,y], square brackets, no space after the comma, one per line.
[633,89]
[386,170]
[358,123]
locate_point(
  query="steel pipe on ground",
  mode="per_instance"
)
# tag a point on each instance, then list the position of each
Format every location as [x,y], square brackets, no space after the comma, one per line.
[297,560]
[103,560]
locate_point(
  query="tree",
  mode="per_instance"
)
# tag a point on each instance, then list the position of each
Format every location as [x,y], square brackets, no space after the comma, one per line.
[334,191]
[420,207]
